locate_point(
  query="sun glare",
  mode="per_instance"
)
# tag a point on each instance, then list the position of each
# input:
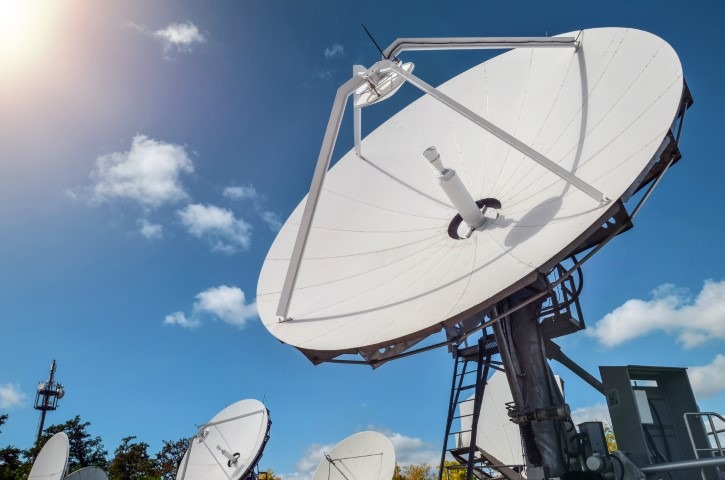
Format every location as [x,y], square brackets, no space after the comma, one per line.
[24,28]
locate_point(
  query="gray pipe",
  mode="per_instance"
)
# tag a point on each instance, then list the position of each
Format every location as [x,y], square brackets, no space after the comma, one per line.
[684,465]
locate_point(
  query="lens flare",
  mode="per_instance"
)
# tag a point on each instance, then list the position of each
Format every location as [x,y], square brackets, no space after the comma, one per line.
[25,27]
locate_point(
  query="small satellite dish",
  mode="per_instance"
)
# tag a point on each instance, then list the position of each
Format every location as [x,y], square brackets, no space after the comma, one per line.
[497,436]
[52,461]
[228,446]
[88,473]
[388,261]
[365,455]
[380,86]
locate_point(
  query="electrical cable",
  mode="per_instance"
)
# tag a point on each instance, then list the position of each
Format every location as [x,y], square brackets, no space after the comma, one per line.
[662,428]
[621,467]
[376,43]
[654,452]
[563,451]
[567,439]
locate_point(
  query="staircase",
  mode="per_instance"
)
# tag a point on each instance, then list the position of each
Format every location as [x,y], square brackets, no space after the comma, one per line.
[485,466]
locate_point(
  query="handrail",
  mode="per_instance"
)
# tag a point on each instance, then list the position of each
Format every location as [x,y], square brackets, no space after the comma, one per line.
[713,431]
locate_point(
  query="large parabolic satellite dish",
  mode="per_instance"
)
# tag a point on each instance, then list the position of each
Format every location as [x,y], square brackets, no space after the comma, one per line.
[88,473]
[383,263]
[365,455]
[229,445]
[52,461]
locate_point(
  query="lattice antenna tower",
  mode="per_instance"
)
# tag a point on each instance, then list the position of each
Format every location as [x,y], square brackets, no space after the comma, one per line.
[46,398]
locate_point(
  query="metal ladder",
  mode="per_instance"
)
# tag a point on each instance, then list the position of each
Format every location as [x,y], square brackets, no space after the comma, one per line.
[470,371]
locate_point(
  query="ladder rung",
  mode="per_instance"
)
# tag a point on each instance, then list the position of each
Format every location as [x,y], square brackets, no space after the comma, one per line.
[463,416]
[462,431]
[464,401]
[452,450]
[712,450]
[467,387]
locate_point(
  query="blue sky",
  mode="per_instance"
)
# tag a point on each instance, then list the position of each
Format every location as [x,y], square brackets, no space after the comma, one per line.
[149,150]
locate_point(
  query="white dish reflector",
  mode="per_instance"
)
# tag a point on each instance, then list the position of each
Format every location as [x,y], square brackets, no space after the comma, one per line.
[496,434]
[52,461]
[88,473]
[365,455]
[229,445]
[380,267]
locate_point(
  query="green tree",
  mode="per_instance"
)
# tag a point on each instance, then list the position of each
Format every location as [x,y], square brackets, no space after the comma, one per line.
[85,450]
[170,456]
[269,475]
[609,437]
[10,462]
[14,463]
[131,461]
[414,472]
[3,419]
[455,471]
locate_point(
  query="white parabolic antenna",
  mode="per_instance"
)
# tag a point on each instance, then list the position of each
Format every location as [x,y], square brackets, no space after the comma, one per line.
[497,436]
[380,267]
[229,445]
[52,461]
[365,455]
[88,473]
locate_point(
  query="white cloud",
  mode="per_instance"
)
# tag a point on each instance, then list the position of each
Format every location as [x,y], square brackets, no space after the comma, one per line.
[178,318]
[226,233]
[307,465]
[245,192]
[413,451]
[176,37]
[11,396]
[324,74]
[592,413]
[134,26]
[335,50]
[180,36]
[240,192]
[226,303]
[708,380]
[271,219]
[671,310]
[149,173]
[152,231]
